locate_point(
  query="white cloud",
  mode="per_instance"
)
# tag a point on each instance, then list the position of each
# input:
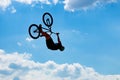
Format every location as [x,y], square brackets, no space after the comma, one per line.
[17,66]
[25,1]
[72,5]
[4,4]
[19,44]
[69,5]
[13,10]
[55,1]
[29,39]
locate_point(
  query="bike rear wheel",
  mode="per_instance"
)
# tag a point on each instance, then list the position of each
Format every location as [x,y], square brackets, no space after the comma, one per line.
[47,19]
[34,31]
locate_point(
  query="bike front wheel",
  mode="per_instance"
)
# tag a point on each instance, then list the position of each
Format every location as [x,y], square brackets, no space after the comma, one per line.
[47,19]
[34,31]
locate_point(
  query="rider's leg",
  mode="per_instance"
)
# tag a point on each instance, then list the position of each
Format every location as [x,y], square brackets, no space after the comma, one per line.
[58,38]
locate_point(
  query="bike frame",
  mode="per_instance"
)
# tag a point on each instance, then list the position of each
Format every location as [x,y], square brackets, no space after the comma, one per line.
[48,30]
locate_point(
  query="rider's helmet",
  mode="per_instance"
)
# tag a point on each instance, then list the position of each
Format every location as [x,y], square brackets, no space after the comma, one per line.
[62,48]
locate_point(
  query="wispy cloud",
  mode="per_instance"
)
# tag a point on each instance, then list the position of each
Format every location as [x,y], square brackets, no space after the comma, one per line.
[4,4]
[13,10]
[73,5]
[25,1]
[29,39]
[69,5]
[19,66]
[19,44]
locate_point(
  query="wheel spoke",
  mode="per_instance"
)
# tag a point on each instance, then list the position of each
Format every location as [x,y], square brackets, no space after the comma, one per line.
[47,19]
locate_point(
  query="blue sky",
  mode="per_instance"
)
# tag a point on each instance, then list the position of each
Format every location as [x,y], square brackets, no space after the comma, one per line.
[89,30]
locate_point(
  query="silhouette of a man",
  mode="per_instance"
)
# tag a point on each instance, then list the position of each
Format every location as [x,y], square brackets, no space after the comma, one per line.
[50,43]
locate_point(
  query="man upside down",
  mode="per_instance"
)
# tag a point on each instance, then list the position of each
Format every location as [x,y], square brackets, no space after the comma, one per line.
[50,43]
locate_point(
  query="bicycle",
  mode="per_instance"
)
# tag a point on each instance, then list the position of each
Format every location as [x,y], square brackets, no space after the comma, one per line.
[34,29]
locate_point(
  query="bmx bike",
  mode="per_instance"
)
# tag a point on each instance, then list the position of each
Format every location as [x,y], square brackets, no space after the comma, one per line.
[34,29]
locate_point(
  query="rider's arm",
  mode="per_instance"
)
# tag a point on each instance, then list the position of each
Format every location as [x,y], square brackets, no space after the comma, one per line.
[58,37]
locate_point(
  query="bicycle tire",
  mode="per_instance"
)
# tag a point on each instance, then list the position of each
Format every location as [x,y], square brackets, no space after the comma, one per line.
[45,21]
[37,34]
